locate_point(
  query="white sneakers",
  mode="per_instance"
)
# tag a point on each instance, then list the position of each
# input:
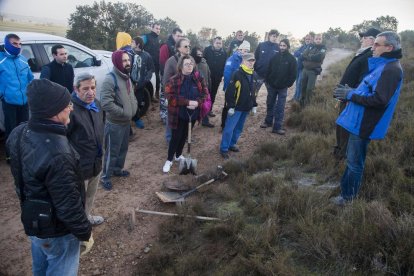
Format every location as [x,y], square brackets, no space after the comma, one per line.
[167,166]
[179,158]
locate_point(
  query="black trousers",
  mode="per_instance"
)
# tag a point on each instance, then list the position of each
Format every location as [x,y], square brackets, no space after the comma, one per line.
[215,83]
[224,115]
[14,115]
[178,138]
[342,136]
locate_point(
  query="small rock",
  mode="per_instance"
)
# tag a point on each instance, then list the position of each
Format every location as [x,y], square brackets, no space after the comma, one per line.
[147,249]
[96,272]
[114,254]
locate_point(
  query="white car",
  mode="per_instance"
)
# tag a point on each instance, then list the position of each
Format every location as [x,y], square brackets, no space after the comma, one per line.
[36,47]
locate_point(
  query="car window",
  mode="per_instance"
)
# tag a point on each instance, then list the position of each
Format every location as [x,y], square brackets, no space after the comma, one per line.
[27,52]
[77,58]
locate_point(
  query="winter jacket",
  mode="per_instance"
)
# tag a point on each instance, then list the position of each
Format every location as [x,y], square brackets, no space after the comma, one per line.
[167,50]
[60,73]
[357,69]
[232,64]
[282,70]
[85,133]
[313,57]
[152,47]
[234,44]
[15,75]
[203,68]
[264,52]
[119,104]
[298,55]
[170,68]
[50,172]
[175,100]
[242,90]
[142,69]
[216,59]
[371,105]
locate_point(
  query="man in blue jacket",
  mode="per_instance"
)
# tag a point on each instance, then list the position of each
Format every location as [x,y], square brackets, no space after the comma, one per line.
[15,75]
[370,109]
[298,54]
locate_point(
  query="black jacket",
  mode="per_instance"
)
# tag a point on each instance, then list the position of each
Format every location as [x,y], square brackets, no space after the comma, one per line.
[85,133]
[282,70]
[142,69]
[50,171]
[215,60]
[356,69]
[59,73]
[234,44]
[152,46]
[313,56]
[241,91]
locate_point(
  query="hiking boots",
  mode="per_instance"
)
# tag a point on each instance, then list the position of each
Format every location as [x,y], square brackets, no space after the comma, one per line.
[122,173]
[279,131]
[234,149]
[207,124]
[265,125]
[106,184]
[225,155]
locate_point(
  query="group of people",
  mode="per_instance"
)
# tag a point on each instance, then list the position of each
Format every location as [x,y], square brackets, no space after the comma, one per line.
[72,141]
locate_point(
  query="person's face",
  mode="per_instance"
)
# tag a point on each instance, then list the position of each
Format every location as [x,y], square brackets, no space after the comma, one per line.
[218,44]
[308,39]
[283,47]
[126,63]
[199,53]
[380,46]
[185,47]
[86,91]
[273,38]
[61,56]
[15,42]
[177,36]
[318,40]
[367,41]
[243,51]
[188,67]
[240,36]
[63,116]
[156,29]
[249,63]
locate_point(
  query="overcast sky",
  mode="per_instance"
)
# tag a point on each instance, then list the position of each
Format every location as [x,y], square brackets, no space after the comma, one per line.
[294,16]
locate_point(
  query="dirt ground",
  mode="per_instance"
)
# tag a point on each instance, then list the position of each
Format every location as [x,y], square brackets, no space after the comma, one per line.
[118,249]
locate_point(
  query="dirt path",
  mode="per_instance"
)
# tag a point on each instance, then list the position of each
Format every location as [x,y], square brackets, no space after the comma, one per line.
[118,250]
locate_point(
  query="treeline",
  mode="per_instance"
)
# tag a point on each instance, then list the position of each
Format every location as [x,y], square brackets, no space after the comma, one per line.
[96,26]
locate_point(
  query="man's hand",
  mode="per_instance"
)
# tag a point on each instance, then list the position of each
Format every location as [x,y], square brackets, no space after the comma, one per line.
[231,112]
[341,92]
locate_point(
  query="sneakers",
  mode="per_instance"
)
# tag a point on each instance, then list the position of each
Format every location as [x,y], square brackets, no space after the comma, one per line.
[234,149]
[338,200]
[211,114]
[279,131]
[167,166]
[95,220]
[265,125]
[122,173]
[140,124]
[225,155]
[107,184]
[179,158]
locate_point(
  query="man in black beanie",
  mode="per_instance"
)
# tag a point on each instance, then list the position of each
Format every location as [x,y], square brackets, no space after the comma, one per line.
[48,181]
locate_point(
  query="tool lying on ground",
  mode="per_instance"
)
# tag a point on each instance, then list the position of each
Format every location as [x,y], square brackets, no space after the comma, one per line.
[171,197]
[174,215]
[188,165]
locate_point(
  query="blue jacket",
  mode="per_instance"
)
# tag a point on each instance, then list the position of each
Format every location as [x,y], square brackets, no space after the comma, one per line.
[15,75]
[371,105]
[264,52]
[298,54]
[232,64]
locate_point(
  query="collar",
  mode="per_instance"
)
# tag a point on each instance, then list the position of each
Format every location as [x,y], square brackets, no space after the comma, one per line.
[92,106]
[246,69]
[46,125]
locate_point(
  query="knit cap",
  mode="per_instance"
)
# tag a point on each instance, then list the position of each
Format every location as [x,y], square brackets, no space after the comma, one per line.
[244,46]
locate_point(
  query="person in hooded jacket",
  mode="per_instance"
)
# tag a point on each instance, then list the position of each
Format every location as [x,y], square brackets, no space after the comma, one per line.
[369,110]
[281,75]
[152,46]
[119,103]
[308,40]
[167,49]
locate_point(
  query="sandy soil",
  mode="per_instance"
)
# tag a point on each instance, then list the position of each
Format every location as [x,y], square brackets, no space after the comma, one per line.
[118,249]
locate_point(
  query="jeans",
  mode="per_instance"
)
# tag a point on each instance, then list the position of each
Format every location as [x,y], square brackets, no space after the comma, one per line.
[168,132]
[275,102]
[355,155]
[55,256]
[298,86]
[14,115]
[116,148]
[91,185]
[232,130]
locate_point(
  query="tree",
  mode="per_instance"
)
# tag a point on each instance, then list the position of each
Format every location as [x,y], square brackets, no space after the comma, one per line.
[382,23]
[96,26]
[252,38]
[167,25]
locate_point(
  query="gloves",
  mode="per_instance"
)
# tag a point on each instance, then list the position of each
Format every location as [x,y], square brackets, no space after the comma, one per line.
[231,112]
[341,92]
[139,123]
[86,246]
[254,110]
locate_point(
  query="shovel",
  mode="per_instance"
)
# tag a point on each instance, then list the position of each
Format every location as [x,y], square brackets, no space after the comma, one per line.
[169,197]
[188,165]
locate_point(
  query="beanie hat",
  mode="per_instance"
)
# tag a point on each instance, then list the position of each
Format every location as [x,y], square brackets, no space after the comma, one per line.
[46,99]
[286,41]
[117,60]
[123,39]
[244,46]
[370,32]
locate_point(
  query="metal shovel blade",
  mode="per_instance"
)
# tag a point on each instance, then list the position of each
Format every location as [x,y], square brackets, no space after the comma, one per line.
[170,197]
[187,166]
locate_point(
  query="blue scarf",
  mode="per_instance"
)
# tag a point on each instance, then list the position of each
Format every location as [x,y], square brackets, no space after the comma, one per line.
[92,106]
[12,50]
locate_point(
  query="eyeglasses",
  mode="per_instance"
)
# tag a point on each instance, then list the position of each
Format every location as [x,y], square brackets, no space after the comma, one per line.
[187,46]
[188,64]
